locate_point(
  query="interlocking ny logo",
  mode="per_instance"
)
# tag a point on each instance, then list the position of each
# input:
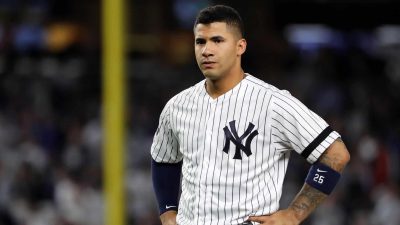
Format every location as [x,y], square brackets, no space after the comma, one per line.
[232,136]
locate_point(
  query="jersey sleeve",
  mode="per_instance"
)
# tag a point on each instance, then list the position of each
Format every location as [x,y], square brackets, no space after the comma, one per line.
[165,147]
[296,127]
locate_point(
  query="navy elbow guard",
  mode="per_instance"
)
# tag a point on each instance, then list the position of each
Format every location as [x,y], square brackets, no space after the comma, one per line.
[322,178]
[166,184]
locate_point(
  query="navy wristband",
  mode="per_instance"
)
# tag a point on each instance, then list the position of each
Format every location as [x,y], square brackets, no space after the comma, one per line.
[322,178]
[166,183]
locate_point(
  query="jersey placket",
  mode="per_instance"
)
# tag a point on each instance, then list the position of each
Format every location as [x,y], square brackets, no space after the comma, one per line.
[208,161]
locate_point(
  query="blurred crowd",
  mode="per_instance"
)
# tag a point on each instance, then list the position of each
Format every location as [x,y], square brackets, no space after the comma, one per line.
[50,111]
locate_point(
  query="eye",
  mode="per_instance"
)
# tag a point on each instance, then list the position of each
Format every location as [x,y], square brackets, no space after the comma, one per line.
[217,40]
[200,41]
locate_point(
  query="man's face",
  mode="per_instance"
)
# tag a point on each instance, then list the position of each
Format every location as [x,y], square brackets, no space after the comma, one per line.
[218,48]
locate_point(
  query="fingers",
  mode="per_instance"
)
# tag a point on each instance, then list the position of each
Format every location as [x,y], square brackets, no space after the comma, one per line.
[258,219]
[278,218]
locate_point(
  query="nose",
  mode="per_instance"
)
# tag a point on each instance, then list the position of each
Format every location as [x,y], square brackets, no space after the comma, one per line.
[206,51]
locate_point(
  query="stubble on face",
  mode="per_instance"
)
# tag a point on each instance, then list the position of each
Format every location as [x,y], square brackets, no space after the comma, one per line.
[216,49]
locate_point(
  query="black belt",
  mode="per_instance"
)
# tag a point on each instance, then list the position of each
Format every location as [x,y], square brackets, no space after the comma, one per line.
[246,223]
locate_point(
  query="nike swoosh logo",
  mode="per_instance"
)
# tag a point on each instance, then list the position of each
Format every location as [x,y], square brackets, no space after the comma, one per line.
[321,171]
[170,206]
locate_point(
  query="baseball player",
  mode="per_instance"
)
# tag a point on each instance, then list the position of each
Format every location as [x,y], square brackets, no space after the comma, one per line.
[220,153]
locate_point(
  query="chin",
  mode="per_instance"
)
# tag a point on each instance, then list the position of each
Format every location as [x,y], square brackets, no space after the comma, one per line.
[210,75]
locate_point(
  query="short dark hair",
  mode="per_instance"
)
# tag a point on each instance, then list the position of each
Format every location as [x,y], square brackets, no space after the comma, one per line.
[220,13]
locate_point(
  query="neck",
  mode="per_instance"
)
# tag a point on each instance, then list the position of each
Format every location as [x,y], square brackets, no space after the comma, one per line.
[218,87]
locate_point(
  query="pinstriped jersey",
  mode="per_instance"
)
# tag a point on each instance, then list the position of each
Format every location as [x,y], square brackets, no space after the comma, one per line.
[235,148]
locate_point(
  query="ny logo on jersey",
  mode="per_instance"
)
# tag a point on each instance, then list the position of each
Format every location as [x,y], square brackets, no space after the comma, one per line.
[232,136]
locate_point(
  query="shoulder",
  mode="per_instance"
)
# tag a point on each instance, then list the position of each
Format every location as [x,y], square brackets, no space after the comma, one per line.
[273,95]
[264,86]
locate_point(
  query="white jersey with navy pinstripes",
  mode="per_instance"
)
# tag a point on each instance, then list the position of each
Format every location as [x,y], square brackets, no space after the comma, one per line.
[235,148]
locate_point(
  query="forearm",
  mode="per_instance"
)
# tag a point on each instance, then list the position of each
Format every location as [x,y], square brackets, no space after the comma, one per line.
[336,157]
[166,184]
[306,201]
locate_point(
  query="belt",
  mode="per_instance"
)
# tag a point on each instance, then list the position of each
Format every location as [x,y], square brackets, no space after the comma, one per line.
[246,223]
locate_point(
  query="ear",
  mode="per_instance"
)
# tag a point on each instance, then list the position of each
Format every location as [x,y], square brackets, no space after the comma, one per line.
[241,46]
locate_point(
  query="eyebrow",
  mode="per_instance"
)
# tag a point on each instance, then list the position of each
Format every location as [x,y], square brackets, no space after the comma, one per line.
[213,38]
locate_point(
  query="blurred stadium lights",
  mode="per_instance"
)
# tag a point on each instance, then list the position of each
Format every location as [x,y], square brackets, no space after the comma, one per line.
[186,10]
[388,35]
[29,37]
[309,38]
[346,14]
[54,37]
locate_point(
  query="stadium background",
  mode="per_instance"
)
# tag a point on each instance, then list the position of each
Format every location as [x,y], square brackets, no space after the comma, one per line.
[342,58]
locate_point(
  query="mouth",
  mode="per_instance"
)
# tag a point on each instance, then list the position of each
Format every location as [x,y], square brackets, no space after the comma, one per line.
[208,64]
